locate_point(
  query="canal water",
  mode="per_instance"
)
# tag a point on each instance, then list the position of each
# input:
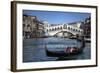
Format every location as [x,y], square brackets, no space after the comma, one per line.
[34,49]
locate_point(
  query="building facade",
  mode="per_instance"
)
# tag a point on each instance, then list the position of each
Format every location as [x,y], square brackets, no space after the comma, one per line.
[87,27]
[32,27]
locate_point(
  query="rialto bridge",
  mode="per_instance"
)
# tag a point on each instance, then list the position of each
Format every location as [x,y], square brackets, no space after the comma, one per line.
[63,30]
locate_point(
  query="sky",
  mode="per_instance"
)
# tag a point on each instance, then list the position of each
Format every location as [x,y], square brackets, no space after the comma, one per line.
[57,17]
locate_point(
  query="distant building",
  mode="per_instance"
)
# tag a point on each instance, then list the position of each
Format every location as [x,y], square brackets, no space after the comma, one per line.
[87,27]
[32,27]
[77,24]
[40,29]
[46,25]
[26,26]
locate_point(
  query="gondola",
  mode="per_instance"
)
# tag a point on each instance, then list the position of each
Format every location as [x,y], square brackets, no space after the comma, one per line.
[66,52]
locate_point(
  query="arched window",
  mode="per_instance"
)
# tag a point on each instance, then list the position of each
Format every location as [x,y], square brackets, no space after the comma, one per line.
[76,29]
[55,29]
[61,28]
[68,28]
[28,25]
[73,29]
[49,29]
[58,28]
[65,26]
[23,25]
[52,29]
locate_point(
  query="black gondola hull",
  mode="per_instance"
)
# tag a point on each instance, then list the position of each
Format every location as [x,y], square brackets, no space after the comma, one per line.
[61,53]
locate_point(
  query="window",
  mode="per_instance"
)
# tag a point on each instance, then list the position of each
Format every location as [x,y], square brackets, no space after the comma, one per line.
[76,29]
[52,29]
[73,29]
[58,28]
[68,28]
[47,30]
[55,29]
[61,28]
[65,26]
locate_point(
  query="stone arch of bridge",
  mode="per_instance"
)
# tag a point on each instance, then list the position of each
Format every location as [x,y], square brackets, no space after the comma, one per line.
[64,32]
